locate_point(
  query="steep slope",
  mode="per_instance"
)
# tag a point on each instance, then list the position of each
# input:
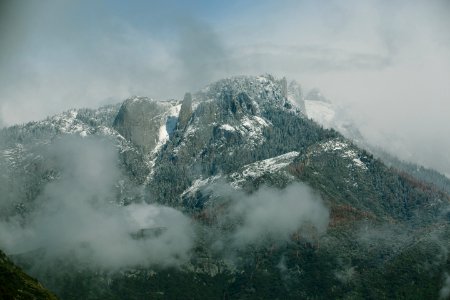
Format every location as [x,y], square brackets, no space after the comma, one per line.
[325,113]
[233,122]
[15,284]
[281,208]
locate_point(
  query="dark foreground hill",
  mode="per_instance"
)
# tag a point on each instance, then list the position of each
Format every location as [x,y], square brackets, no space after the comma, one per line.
[15,284]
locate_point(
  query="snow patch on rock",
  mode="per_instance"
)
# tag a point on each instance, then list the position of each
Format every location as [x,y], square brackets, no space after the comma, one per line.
[345,149]
[198,184]
[260,168]
[227,127]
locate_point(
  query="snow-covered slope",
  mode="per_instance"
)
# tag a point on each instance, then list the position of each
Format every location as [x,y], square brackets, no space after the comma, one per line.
[329,115]
[261,168]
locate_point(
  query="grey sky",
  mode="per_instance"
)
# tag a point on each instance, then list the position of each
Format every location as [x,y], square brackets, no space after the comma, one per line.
[386,62]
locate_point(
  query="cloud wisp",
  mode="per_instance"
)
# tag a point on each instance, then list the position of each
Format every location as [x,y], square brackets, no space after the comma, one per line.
[268,214]
[77,219]
[444,292]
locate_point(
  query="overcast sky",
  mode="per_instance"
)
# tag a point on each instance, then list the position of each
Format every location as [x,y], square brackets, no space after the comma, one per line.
[386,62]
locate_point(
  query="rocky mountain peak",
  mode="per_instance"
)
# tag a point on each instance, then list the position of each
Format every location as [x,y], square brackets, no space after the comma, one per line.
[186,111]
[139,121]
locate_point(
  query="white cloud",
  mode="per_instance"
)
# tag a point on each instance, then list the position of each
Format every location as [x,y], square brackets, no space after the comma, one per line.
[444,293]
[76,218]
[268,214]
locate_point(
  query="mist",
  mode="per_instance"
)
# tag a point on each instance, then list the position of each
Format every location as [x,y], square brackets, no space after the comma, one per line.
[277,215]
[76,218]
[269,214]
[386,63]
[444,293]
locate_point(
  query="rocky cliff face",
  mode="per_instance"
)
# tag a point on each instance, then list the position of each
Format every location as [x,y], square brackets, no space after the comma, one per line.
[229,127]
[139,120]
[185,111]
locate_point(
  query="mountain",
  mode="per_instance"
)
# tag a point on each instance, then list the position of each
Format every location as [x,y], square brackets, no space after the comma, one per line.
[231,192]
[324,112]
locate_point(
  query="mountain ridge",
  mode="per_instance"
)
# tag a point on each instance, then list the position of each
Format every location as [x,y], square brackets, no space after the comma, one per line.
[220,157]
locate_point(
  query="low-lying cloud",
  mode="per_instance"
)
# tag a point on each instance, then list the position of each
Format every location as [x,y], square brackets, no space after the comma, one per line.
[270,214]
[78,219]
[444,292]
[277,214]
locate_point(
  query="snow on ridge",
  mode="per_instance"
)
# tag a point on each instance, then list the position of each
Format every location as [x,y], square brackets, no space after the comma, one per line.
[252,127]
[261,121]
[333,145]
[253,170]
[259,168]
[346,149]
[262,79]
[359,163]
[199,183]
[227,127]
[139,99]
[67,123]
